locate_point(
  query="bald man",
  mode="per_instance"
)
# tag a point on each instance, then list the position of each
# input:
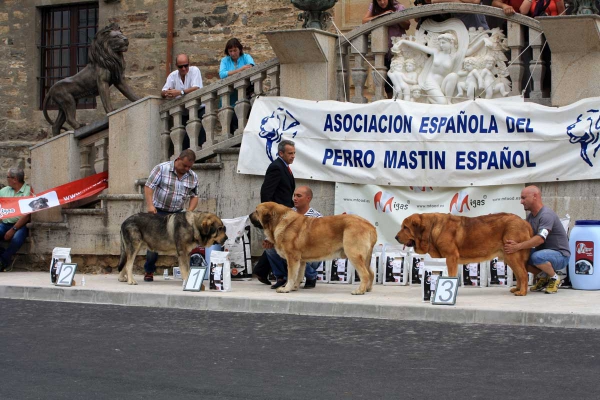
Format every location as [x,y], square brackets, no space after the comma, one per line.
[184,80]
[549,245]
[302,197]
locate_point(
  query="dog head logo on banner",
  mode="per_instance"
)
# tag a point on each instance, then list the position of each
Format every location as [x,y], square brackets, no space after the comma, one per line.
[585,131]
[383,201]
[273,127]
[459,202]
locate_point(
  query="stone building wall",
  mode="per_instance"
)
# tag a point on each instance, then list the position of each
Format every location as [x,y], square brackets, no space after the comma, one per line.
[201,30]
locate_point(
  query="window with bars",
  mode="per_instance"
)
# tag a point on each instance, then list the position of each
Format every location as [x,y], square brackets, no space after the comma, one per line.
[67,32]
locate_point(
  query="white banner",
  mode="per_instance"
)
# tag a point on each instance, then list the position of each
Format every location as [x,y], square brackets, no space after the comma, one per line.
[386,207]
[397,143]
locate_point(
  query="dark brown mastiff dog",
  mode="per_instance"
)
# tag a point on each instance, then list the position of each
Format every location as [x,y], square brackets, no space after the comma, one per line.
[462,240]
[299,239]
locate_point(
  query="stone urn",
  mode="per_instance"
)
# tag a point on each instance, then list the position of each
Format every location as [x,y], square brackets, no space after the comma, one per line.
[315,13]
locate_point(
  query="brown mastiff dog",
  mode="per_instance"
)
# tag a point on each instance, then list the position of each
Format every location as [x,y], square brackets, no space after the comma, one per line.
[299,239]
[462,240]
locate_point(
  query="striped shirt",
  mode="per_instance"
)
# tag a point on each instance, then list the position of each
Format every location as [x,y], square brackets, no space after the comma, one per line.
[311,213]
[170,192]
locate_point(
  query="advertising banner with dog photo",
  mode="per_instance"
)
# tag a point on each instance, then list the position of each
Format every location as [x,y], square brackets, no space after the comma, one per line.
[386,207]
[63,194]
[397,143]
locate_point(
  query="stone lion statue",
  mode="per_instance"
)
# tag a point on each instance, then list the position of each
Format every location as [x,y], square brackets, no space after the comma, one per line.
[106,67]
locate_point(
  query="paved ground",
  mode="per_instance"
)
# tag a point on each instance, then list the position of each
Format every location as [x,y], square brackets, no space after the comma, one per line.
[494,305]
[52,350]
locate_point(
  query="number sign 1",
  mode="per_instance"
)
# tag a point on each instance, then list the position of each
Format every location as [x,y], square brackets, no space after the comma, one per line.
[66,274]
[445,291]
[194,281]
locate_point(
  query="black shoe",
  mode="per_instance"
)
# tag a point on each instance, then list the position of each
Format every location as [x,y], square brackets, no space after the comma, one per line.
[279,283]
[263,280]
[495,281]
[310,284]
[149,277]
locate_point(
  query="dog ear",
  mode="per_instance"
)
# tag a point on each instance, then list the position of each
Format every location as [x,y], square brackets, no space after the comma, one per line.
[266,220]
[207,228]
[422,230]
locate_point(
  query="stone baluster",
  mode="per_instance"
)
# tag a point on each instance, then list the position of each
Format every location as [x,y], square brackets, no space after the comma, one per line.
[273,75]
[84,159]
[537,66]
[343,87]
[257,82]
[242,105]
[359,72]
[516,42]
[194,124]
[101,161]
[165,138]
[209,120]
[226,111]
[379,48]
[178,130]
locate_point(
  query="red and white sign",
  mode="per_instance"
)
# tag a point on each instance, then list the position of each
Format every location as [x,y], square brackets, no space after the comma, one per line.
[80,189]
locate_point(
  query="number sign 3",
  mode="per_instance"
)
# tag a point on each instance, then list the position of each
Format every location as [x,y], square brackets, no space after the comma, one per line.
[446,290]
[66,274]
[194,281]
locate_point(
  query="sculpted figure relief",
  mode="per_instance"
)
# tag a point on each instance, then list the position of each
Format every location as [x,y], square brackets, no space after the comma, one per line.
[106,67]
[452,64]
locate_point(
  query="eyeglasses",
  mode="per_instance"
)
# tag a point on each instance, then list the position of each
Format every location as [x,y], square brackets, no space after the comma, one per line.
[183,66]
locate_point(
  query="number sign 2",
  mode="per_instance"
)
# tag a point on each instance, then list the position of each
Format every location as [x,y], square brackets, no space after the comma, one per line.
[66,274]
[445,291]
[194,281]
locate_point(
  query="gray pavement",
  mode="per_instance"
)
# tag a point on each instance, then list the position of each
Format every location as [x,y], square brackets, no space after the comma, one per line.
[491,305]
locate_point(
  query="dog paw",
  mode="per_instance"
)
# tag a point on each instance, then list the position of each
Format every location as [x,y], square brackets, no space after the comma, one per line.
[282,290]
[513,290]
[132,282]
[357,291]
[122,279]
[521,293]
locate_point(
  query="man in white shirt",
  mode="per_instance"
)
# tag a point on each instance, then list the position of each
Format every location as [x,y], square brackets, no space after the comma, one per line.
[184,80]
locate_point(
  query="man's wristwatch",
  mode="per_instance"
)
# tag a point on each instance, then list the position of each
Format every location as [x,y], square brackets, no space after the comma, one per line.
[182,93]
[14,228]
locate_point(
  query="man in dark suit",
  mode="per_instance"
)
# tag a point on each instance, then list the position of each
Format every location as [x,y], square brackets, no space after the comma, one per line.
[278,186]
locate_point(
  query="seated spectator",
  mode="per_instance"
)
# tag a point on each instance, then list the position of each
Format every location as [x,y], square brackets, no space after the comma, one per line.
[550,8]
[470,20]
[302,198]
[512,7]
[14,230]
[380,8]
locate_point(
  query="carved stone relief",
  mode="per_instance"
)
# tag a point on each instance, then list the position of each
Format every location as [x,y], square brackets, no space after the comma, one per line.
[444,63]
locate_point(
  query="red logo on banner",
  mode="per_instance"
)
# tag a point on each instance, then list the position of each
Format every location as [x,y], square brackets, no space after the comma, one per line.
[460,199]
[383,200]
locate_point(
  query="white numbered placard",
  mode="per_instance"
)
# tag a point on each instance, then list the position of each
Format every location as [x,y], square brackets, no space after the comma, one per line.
[66,274]
[446,290]
[194,281]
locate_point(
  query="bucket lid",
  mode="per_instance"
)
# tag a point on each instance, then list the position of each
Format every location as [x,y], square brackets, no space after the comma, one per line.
[587,222]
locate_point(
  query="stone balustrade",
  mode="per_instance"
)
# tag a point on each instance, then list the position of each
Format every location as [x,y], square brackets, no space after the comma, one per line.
[370,41]
[211,108]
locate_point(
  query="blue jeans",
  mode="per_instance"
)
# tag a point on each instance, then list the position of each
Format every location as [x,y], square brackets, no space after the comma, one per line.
[279,266]
[554,257]
[151,257]
[15,243]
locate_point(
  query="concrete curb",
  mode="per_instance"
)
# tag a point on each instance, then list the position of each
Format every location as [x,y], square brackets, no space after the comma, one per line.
[296,306]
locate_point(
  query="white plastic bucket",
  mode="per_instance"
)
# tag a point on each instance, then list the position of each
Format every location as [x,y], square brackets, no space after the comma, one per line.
[584,264]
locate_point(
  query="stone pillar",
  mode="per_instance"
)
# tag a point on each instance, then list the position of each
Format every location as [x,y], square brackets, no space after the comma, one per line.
[574,41]
[134,141]
[308,63]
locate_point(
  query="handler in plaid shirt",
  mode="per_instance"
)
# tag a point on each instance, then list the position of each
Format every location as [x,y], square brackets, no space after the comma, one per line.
[169,185]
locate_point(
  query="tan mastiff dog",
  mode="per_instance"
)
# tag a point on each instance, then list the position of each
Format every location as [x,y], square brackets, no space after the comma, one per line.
[300,239]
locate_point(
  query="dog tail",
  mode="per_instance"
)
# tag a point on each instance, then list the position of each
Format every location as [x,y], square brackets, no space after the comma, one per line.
[45,110]
[123,255]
